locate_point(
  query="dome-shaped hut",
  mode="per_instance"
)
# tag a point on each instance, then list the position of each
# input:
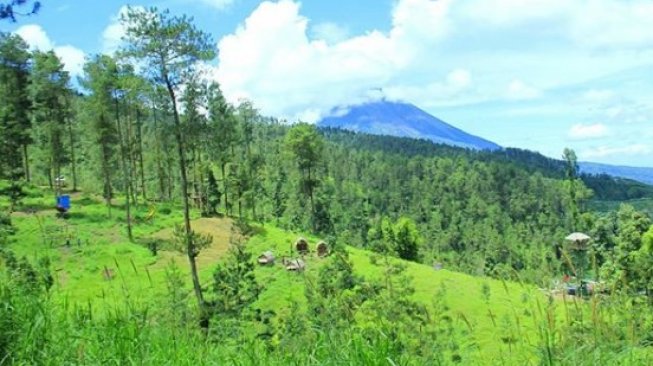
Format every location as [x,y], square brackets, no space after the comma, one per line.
[322,249]
[301,246]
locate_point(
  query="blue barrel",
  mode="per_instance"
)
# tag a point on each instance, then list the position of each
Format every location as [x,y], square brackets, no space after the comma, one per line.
[63,202]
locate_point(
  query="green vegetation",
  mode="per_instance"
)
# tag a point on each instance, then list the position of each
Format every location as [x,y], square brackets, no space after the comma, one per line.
[643,204]
[438,255]
[353,297]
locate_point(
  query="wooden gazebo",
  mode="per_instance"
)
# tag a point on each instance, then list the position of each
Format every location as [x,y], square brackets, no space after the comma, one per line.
[578,241]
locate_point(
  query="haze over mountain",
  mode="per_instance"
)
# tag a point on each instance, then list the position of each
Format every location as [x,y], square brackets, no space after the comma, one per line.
[402,120]
[384,117]
[641,174]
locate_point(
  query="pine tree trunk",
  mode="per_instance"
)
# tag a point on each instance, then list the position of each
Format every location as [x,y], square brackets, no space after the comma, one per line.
[240,203]
[57,172]
[130,156]
[49,170]
[159,165]
[106,173]
[224,183]
[125,172]
[310,194]
[72,154]
[193,168]
[139,137]
[170,175]
[26,162]
[203,195]
[190,247]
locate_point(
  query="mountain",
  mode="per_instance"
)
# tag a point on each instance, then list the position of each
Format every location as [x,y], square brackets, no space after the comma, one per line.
[406,120]
[640,174]
[402,120]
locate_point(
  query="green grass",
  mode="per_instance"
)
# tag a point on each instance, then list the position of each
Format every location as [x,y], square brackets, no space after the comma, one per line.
[97,243]
[500,320]
[488,319]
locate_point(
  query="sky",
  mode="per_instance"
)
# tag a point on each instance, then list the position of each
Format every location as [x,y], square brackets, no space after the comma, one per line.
[536,74]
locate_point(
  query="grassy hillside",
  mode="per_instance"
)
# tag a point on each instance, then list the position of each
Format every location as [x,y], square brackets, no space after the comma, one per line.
[95,265]
[463,294]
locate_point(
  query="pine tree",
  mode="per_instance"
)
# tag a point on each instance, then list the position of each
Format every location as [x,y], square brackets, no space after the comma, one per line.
[14,111]
[224,135]
[170,46]
[49,93]
[212,193]
[305,146]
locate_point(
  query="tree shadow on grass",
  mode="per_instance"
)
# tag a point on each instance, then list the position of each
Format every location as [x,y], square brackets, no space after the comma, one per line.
[87,217]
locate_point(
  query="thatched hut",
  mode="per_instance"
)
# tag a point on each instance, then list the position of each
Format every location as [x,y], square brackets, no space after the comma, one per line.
[266,259]
[578,246]
[301,246]
[294,265]
[322,249]
[578,241]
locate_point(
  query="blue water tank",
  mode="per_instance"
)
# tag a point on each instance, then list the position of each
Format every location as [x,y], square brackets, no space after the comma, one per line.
[63,201]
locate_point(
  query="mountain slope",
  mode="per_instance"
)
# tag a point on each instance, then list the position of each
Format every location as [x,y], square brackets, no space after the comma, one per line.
[79,272]
[640,174]
[406,120]
[402,120]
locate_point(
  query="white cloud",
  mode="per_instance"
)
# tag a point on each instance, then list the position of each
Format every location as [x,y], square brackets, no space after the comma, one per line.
[113,33]
[607,151]
[271,60]
[459,78]
[218,4]
[588,131]
[507,13]
[72,57]
[329,32]
[518,90]
[611,23]
[112,37]
[35,37]
[596,24]
[597,95]
[518,51]
[438,93]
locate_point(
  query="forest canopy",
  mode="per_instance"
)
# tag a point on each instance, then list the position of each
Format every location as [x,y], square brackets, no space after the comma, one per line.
[137,143]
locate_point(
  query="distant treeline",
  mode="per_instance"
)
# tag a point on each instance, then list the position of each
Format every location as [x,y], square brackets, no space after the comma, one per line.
[605,187]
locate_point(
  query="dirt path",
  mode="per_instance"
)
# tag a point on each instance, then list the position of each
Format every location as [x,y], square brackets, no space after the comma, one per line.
[219,229]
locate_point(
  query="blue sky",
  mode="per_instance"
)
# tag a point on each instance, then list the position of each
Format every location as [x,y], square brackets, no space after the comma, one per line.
[536,74]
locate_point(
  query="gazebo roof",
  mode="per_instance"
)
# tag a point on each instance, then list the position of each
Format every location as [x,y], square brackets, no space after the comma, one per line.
[576,237]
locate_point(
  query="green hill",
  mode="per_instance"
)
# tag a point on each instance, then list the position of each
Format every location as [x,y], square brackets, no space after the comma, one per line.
[94,265]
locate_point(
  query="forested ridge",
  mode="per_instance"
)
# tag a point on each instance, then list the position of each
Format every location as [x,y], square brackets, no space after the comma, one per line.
[163,135]
[604,187]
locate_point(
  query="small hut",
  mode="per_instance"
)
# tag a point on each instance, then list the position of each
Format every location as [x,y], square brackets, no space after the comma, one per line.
[301,245]
[266,259]
[322,249]
[60,181]
[578,241]
[578,246]
[295,265]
